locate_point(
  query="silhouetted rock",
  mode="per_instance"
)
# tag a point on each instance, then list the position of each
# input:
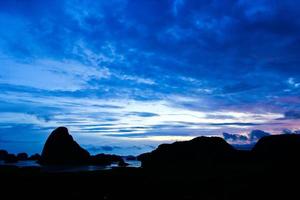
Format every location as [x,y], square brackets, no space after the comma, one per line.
[122,164]
[3,154]
[11,158]
[60,148]
[279,148]
[22,156]
[36,157]
[8,158]
[200,151]
[105,159]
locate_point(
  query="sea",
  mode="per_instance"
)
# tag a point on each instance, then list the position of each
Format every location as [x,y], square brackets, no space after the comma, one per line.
[68,168]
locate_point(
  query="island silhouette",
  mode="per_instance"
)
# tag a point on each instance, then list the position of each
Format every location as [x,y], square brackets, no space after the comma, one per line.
[202,168]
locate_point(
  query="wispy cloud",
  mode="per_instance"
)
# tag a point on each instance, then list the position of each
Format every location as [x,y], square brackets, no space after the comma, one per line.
[50,75]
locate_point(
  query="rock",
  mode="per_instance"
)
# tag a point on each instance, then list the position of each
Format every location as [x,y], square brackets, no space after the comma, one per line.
[278,148]
[61,149]
[105,159]
[3,154]
[8,158]
[11,158]
[36,157]
[122,164]
[22,156]
[200,151]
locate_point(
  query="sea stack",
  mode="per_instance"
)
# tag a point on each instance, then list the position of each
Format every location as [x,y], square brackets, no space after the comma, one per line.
[61,149]
[278,148]
[200,151]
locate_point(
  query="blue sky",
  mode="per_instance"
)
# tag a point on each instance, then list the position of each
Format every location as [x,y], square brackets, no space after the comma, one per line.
[126,75]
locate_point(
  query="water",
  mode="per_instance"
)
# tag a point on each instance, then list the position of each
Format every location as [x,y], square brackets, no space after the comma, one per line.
[25,163]
[66,168]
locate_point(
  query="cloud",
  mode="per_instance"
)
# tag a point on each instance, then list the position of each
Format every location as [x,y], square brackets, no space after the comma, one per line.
[288,131]
[257,134]
[143,114]
[234,137]
[291,81]
[292,114]
[239,87]
[176,5]
[102,148]
[220,116]
[23,118]
[234,124]
[251,137]
[136,79]
[50,75]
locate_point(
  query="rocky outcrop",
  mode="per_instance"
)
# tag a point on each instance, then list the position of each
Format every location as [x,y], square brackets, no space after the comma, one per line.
[207,151]
[105,159]
[3,154]
[61,149]
[278,148]
[197,152]
[22,156]
[7,157]
[36,157]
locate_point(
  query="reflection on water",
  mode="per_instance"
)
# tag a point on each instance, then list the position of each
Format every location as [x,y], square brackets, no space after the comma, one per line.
[66,168]
[25,163]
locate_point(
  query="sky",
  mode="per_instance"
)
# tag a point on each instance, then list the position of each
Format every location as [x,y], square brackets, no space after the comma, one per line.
[127,75]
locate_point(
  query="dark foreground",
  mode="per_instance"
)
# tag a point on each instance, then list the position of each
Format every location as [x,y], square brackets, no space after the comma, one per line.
[203,168]
[256,181]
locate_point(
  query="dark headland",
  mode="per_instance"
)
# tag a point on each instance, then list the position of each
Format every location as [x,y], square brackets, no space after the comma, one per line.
[202,168]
